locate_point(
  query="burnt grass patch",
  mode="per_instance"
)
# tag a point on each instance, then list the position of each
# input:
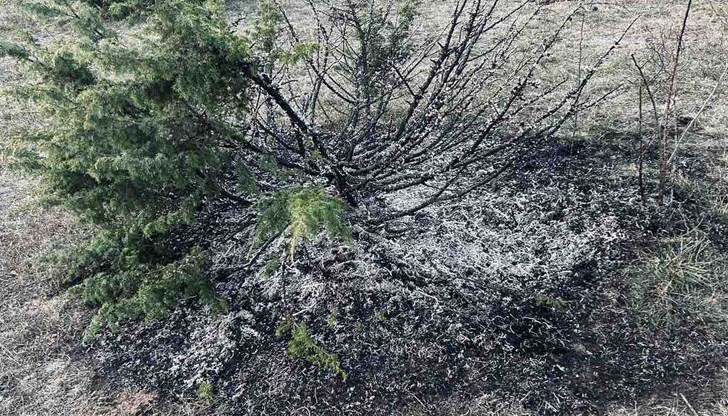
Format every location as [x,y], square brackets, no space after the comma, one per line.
[520,291]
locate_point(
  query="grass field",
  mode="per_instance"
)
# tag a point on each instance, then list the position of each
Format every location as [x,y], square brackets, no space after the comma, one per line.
[45,369]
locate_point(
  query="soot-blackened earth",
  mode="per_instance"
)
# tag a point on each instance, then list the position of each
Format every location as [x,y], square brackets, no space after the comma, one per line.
[517,291]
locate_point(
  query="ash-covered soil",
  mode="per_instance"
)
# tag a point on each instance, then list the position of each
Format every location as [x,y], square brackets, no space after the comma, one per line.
[518,292]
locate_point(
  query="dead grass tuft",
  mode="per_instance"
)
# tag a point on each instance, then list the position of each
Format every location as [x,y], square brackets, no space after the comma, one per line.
[131,403]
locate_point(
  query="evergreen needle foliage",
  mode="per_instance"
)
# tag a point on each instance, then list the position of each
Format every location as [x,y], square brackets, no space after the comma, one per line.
[128,146]
[206,392]
[302,346]
[153,109]
[306,211]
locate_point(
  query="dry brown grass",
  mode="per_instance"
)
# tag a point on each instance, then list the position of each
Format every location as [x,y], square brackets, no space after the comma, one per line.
[38,328]
[38,325]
